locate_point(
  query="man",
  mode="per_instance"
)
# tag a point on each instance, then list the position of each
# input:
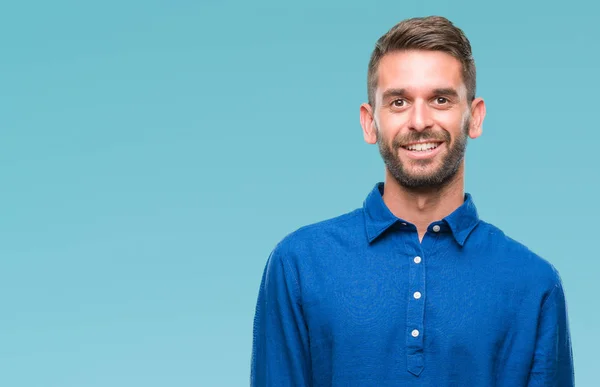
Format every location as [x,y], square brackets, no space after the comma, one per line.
[412,289]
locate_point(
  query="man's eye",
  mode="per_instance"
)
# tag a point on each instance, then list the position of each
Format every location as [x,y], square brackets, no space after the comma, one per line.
[398,103]
[441,100]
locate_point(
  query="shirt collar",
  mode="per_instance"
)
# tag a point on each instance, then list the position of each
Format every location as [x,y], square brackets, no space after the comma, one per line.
[378,217]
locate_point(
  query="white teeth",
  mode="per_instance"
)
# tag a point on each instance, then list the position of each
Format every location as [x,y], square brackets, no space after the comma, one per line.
[422,147]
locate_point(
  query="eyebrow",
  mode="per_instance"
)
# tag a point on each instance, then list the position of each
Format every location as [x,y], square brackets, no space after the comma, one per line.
[393,93]
[450,92]
[447,91]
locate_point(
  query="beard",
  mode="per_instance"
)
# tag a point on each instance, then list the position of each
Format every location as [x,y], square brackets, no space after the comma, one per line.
[435,179]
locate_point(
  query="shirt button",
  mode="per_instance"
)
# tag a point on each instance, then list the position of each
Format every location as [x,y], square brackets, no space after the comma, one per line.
[417,259]
[417,295]
[436,228]
[415,333]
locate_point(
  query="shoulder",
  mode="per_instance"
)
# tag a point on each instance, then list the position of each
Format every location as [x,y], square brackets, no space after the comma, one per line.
[321,232]
[297,251]
[509,251]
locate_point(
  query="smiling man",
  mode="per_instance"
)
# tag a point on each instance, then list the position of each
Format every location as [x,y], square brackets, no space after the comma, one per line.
[413,288]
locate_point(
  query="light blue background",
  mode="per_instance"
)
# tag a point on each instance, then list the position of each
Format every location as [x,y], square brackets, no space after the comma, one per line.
[152,153]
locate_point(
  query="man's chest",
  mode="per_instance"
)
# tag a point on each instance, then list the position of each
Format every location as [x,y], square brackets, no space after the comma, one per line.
[415,301]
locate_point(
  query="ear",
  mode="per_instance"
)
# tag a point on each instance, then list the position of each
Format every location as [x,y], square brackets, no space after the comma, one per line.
[367,122]
[477,116]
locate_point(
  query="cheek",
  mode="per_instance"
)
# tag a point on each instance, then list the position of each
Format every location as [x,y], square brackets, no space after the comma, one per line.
[393,121]
[451,122]
[390,126]
[388,138]
[450,117]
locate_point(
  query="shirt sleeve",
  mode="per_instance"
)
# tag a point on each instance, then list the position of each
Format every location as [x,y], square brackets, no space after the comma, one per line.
[553,358]
[280,349]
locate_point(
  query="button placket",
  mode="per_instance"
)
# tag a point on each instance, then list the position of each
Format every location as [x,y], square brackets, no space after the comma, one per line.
[414,316]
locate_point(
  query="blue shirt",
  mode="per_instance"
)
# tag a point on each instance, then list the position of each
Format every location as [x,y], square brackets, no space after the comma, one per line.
[358,300]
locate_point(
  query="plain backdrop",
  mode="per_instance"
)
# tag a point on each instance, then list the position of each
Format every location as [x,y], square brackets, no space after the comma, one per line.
[152,153]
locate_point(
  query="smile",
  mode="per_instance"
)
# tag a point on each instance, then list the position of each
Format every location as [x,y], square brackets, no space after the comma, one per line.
[423,146]
[423,150]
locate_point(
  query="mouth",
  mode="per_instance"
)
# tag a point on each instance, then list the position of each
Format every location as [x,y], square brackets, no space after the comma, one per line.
[422,150]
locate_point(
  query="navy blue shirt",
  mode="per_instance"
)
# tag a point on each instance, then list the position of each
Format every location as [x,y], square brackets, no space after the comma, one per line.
[358,300]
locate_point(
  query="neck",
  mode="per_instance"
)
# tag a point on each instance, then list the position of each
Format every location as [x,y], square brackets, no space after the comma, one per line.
[421,207]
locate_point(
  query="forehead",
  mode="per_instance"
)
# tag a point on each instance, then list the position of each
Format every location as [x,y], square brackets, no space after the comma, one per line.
[419,71]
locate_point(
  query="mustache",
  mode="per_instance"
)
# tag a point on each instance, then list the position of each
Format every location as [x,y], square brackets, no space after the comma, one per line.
[420,137]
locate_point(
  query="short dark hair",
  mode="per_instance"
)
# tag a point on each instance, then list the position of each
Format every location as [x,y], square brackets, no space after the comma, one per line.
[432,33]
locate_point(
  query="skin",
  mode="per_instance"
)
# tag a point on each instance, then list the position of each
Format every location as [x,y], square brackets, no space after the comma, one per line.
[420,96]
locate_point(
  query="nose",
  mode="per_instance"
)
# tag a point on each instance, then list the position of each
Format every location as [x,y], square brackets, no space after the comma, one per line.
[420,116]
